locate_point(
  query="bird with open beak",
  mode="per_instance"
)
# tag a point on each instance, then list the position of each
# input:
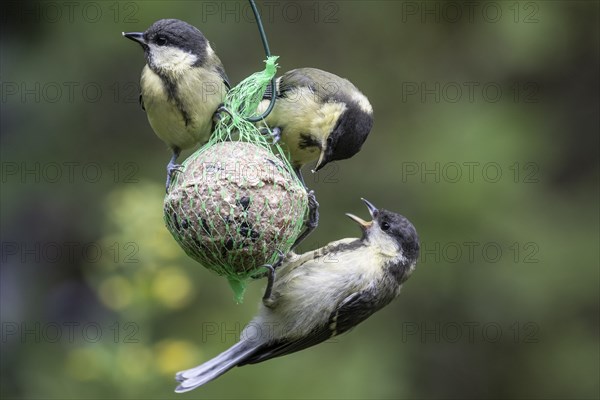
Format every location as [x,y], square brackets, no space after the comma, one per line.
[317,295]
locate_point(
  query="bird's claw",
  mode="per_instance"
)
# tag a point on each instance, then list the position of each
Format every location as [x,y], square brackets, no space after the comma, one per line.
[279,259]
[275,265]
[271,279]
[313,211]
[313,218]
[271,275]
[172,168]
[313,204]
[275,134]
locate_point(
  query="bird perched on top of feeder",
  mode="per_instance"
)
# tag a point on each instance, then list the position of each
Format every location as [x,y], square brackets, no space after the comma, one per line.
[182,85]
[318,116]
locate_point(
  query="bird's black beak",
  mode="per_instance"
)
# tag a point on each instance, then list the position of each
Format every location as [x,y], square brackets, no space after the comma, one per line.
[322,161]
[136,37]
[324,158]
[364,224]
[372,209]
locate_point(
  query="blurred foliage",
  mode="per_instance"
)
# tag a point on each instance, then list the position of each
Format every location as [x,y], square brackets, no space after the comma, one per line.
[158,311]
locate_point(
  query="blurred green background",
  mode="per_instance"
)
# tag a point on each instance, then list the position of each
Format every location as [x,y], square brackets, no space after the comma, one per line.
[486,138]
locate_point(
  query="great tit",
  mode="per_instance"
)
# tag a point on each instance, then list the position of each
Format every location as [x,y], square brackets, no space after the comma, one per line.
[182,85]
[322,293]
[318,116]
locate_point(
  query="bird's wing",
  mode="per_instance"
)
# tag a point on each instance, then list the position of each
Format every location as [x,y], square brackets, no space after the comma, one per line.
[291,80]
[141,100]
[351,311]
[297,78]
[284,347]
[316,80]
[324,84]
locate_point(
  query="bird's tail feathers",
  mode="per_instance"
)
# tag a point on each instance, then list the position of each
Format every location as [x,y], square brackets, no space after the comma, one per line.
[212,369]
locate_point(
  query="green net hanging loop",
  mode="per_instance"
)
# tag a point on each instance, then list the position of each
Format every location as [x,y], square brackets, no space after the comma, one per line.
[237,201]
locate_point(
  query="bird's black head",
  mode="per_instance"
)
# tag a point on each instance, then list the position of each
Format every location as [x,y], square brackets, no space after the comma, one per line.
[169,38]
[392,232]
[401,230]
[347,137]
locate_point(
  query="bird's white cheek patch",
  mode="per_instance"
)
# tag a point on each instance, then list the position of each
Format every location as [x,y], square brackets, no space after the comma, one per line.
[387,246]
[209,50]
[362,102]
[171,59]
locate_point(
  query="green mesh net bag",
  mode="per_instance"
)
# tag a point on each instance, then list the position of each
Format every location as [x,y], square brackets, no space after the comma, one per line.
[237,201]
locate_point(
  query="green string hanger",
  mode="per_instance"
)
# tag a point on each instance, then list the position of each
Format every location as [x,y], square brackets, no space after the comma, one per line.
[265,42]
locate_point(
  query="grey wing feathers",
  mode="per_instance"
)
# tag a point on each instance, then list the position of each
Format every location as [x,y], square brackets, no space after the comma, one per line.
[352,310]
[324,84]
[297,78]
[283,347]
[321,82]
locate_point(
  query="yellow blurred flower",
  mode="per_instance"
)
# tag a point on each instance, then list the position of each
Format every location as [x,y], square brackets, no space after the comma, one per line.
[172,287]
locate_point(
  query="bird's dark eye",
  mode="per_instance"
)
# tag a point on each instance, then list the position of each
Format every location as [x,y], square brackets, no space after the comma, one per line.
[161,40]
[385,226]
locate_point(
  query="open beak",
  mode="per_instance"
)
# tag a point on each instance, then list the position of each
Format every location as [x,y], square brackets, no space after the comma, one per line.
[372,209]
[135,36]
[364,224]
